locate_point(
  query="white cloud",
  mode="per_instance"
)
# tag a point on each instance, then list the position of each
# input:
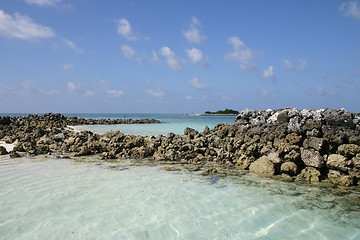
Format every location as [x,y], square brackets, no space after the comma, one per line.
[196,57]
[22,27]
[32,87]
[67,66]
[124,29]
[193,34]
[189,98]
[350,9]
[159,93]
[269,73]
[198,85]
[44,3]
[301,64]
[241,54]
[130,53]
[70,44]
[171,59]
[79,88]
[115,93]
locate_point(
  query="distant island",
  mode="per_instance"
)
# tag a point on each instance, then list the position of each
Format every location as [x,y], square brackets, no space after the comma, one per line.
[223,112]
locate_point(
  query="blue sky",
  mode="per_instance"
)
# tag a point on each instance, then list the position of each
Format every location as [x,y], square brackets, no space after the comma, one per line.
[178,56]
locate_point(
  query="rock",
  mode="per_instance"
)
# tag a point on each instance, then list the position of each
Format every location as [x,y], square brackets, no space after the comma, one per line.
[190,132]
[356,160]
[337,177]
[209,171]
[274,157]
[206,131]
[59,137]
[262,166]
[14,154]
[349,150]
[309,175]
[313,142]
[289,168]
[293,138]
[311,158]
[3,150]
[338,162]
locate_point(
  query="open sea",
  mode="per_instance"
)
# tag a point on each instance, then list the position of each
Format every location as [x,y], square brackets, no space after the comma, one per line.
[44,197]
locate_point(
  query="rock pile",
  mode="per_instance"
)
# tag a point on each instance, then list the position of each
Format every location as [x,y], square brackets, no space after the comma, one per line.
[320,145]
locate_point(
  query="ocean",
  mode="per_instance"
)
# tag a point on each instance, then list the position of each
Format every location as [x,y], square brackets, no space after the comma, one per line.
[44,197]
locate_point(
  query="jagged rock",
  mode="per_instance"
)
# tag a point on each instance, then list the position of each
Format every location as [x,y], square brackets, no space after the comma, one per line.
[349,150]
[289,168]
[311,158]
[14,154]
[313,142]
[190,132]
[338,162]
[309,175]
[59,137]
[262,166]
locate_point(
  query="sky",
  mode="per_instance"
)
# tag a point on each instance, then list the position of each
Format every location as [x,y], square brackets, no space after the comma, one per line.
[93,56]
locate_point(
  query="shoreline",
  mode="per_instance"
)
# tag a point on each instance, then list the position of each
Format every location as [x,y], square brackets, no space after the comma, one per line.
[310,146]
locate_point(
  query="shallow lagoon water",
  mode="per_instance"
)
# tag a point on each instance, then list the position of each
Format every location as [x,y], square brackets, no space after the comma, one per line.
[46,198]
[175,123]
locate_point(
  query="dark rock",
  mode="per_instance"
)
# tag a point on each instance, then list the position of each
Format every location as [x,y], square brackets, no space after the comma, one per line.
[313,142]
[3,150]
[289,168]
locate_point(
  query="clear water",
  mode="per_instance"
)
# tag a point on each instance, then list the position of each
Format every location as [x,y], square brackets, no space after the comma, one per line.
[44,198]
[175,123]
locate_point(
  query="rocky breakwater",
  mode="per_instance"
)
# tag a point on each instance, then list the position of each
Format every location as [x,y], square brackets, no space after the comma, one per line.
[309,146]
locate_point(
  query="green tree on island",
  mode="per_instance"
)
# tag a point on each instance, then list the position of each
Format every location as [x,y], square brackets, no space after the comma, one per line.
[226,111]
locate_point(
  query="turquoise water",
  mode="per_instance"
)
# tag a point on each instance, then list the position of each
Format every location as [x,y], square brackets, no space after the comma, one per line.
[175,123]
[45,198]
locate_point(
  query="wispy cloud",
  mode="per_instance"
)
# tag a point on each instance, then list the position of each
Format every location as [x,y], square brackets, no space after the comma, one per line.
[171,59]
[124,29]
[269,73]
[155,93]
[130,53]
[301,64]
[48,3]
[322,92]
[110,91]
[264,93]
[70,44]
[198,85]
[79,88]
[193,34]
[23,27]
[189,98]
[350,9]
[30,86]
[67,66]
[241,54]
[115,93]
